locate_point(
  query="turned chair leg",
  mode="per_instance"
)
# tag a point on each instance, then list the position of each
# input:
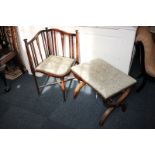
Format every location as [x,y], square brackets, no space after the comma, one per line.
[36,83]
[63,88]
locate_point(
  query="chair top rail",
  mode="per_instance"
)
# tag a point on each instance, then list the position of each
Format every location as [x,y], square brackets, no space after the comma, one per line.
[61,31]
[48,30]
[35,37]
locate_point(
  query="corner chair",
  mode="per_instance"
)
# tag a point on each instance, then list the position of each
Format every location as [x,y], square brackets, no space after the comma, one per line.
[52,52]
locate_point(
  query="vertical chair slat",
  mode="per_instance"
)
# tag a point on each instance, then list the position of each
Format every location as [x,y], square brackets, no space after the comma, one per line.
[52,43]
[33,54]
[62,42]
[48,40]
[44,44]
[72,47]
[55,42]
[37,40]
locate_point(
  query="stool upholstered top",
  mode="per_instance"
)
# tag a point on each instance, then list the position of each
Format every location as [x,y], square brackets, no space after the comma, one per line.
[103,77]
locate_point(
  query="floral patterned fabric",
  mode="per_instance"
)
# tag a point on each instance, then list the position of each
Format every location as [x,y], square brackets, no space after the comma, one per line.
[103,77]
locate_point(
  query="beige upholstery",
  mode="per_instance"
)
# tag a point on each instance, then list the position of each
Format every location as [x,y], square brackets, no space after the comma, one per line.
[144,35]
[55,65]
[103,77]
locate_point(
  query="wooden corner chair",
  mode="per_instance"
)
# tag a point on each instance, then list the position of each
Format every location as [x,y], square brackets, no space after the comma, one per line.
[52,52]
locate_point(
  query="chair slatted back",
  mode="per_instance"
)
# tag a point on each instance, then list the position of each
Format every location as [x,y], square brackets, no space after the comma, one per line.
[63,43]
[51,42]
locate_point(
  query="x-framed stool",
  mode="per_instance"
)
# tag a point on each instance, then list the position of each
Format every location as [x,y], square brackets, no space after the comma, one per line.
[107,81]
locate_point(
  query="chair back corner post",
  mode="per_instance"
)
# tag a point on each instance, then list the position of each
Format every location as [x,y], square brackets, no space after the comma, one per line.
[29,57]
[31,65]
[77,46]
[62,42]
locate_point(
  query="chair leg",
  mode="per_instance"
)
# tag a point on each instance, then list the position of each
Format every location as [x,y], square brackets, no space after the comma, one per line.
[63,88]
[36,83]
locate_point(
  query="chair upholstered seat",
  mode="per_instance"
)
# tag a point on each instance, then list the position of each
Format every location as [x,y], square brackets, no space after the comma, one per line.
[103,77]
[55,65]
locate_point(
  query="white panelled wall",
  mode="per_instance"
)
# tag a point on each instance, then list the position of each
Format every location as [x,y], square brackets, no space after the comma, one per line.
[113,44]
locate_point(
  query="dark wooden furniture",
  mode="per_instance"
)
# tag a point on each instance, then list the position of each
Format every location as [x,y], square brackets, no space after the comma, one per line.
[8,50]
[2,76]
[5,56]
[144,75]
[110,83]
[145,48]
[52,52]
